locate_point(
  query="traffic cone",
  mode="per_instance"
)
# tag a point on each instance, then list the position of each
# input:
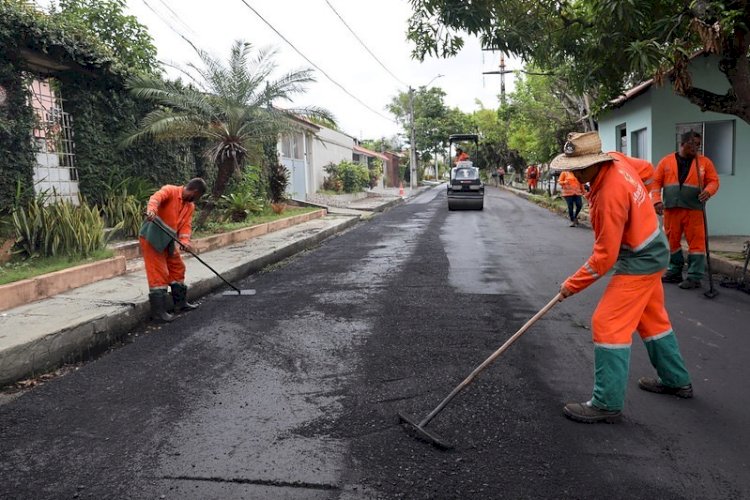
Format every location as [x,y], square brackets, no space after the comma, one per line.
[401,189]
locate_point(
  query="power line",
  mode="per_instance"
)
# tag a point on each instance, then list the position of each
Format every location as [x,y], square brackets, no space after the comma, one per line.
[316,66]
[364,46]
[170,26]
[177,17]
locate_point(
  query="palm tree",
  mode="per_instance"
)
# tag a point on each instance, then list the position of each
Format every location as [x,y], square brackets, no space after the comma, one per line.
[228,106]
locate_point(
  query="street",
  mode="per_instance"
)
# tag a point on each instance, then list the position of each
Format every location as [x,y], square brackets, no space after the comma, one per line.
[293,393]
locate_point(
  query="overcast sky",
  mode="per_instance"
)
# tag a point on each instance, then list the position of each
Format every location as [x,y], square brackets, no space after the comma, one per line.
[320,35]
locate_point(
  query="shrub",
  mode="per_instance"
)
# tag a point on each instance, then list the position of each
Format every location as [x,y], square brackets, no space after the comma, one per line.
[278,180]
[346,176]
[59,229]
[124,202]
[237,206]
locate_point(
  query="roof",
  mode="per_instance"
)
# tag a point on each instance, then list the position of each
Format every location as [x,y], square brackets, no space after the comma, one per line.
[463,137]
[306,123]
[368,152]
[632,93]
[643,87]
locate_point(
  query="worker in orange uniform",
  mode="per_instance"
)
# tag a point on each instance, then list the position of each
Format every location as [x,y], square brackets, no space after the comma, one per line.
[532,177]
[688,179]
[629,239]
[172,207]
[461,155]
[572,192]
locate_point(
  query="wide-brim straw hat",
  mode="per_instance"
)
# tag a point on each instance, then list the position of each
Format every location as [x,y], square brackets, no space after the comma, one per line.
[582,150]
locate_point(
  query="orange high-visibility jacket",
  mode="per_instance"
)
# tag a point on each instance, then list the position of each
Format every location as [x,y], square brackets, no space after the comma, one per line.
[702,175]
[626,230]
[570,185]
[168,204]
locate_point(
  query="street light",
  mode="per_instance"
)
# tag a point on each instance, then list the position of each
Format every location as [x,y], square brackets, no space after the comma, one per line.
[413,139]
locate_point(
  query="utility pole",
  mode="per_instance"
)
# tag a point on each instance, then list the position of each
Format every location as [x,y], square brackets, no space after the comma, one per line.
[413,148]
[502,72]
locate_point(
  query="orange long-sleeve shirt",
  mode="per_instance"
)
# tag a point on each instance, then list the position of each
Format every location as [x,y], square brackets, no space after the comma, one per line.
[702,175]
[570,185]
[167,204]
[626,229]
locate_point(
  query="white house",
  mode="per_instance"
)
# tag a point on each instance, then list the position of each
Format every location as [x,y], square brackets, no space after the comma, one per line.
[306,150]
[647,121]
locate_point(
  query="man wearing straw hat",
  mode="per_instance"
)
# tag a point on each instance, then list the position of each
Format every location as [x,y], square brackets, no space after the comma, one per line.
[629,239]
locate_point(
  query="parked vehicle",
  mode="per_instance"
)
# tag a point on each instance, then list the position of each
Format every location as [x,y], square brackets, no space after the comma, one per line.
[465,187]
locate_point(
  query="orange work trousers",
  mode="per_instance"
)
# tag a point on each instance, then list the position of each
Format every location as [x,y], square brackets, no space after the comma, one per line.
[532,183]
[631,303]
[688,221]
[161,267]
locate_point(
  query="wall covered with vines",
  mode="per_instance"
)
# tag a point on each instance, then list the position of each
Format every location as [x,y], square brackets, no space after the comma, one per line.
[94,94]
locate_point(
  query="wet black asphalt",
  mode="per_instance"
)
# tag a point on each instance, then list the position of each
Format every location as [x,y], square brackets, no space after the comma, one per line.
[293,393]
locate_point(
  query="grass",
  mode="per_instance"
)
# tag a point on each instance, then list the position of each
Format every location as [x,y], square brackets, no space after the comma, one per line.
[17,270]
[736,256]
[266,216]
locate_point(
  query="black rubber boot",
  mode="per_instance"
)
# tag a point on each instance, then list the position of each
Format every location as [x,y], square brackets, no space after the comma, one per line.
[158,299]
[179,297]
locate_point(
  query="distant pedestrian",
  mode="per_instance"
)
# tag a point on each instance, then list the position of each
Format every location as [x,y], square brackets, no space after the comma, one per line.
[629,239]
[501,176]
[572,192]
[494,176]
[172,207]
[532,177]
[689,179]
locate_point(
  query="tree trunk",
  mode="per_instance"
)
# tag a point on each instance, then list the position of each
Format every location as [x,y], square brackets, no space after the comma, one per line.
[225,169]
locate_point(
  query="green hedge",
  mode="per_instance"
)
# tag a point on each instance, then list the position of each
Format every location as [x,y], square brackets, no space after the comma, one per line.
[16,150]
[94,94]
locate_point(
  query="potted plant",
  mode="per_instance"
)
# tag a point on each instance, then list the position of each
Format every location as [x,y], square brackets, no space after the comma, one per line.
[278,180]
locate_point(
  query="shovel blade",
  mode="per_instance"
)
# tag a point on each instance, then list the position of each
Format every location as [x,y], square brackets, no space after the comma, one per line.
[711,293]
[235,293]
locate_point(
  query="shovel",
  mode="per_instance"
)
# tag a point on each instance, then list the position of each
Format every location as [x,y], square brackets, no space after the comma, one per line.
[236,291]
[418,429]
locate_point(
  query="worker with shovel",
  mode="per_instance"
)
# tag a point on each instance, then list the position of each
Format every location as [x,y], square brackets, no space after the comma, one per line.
[689,180]
[171,208]
[629,239]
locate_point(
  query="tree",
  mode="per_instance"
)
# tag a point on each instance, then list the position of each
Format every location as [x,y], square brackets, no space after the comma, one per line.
[228,106]
[433,120]
[127,39]
[602,46]
[539,119]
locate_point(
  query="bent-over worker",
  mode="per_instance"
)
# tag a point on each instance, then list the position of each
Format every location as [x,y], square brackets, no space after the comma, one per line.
[628,238]
[172,207]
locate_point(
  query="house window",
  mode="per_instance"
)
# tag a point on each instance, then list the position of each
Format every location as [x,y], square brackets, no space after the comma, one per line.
[717,144]
[640,144]
[299,146]
[621,139]
[286,148]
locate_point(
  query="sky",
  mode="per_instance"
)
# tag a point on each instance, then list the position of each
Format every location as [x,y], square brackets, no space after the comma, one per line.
[317,32]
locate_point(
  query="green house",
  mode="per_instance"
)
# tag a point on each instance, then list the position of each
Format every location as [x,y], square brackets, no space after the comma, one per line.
[647,121]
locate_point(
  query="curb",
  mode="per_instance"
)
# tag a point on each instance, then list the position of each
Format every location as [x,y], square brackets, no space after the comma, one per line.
[93,335]
[46,285]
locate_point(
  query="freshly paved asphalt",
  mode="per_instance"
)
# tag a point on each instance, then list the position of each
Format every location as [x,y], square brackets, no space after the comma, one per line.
[293,393]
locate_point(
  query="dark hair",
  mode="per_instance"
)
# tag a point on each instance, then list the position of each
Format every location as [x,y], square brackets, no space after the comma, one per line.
[197,184]
[688,136]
